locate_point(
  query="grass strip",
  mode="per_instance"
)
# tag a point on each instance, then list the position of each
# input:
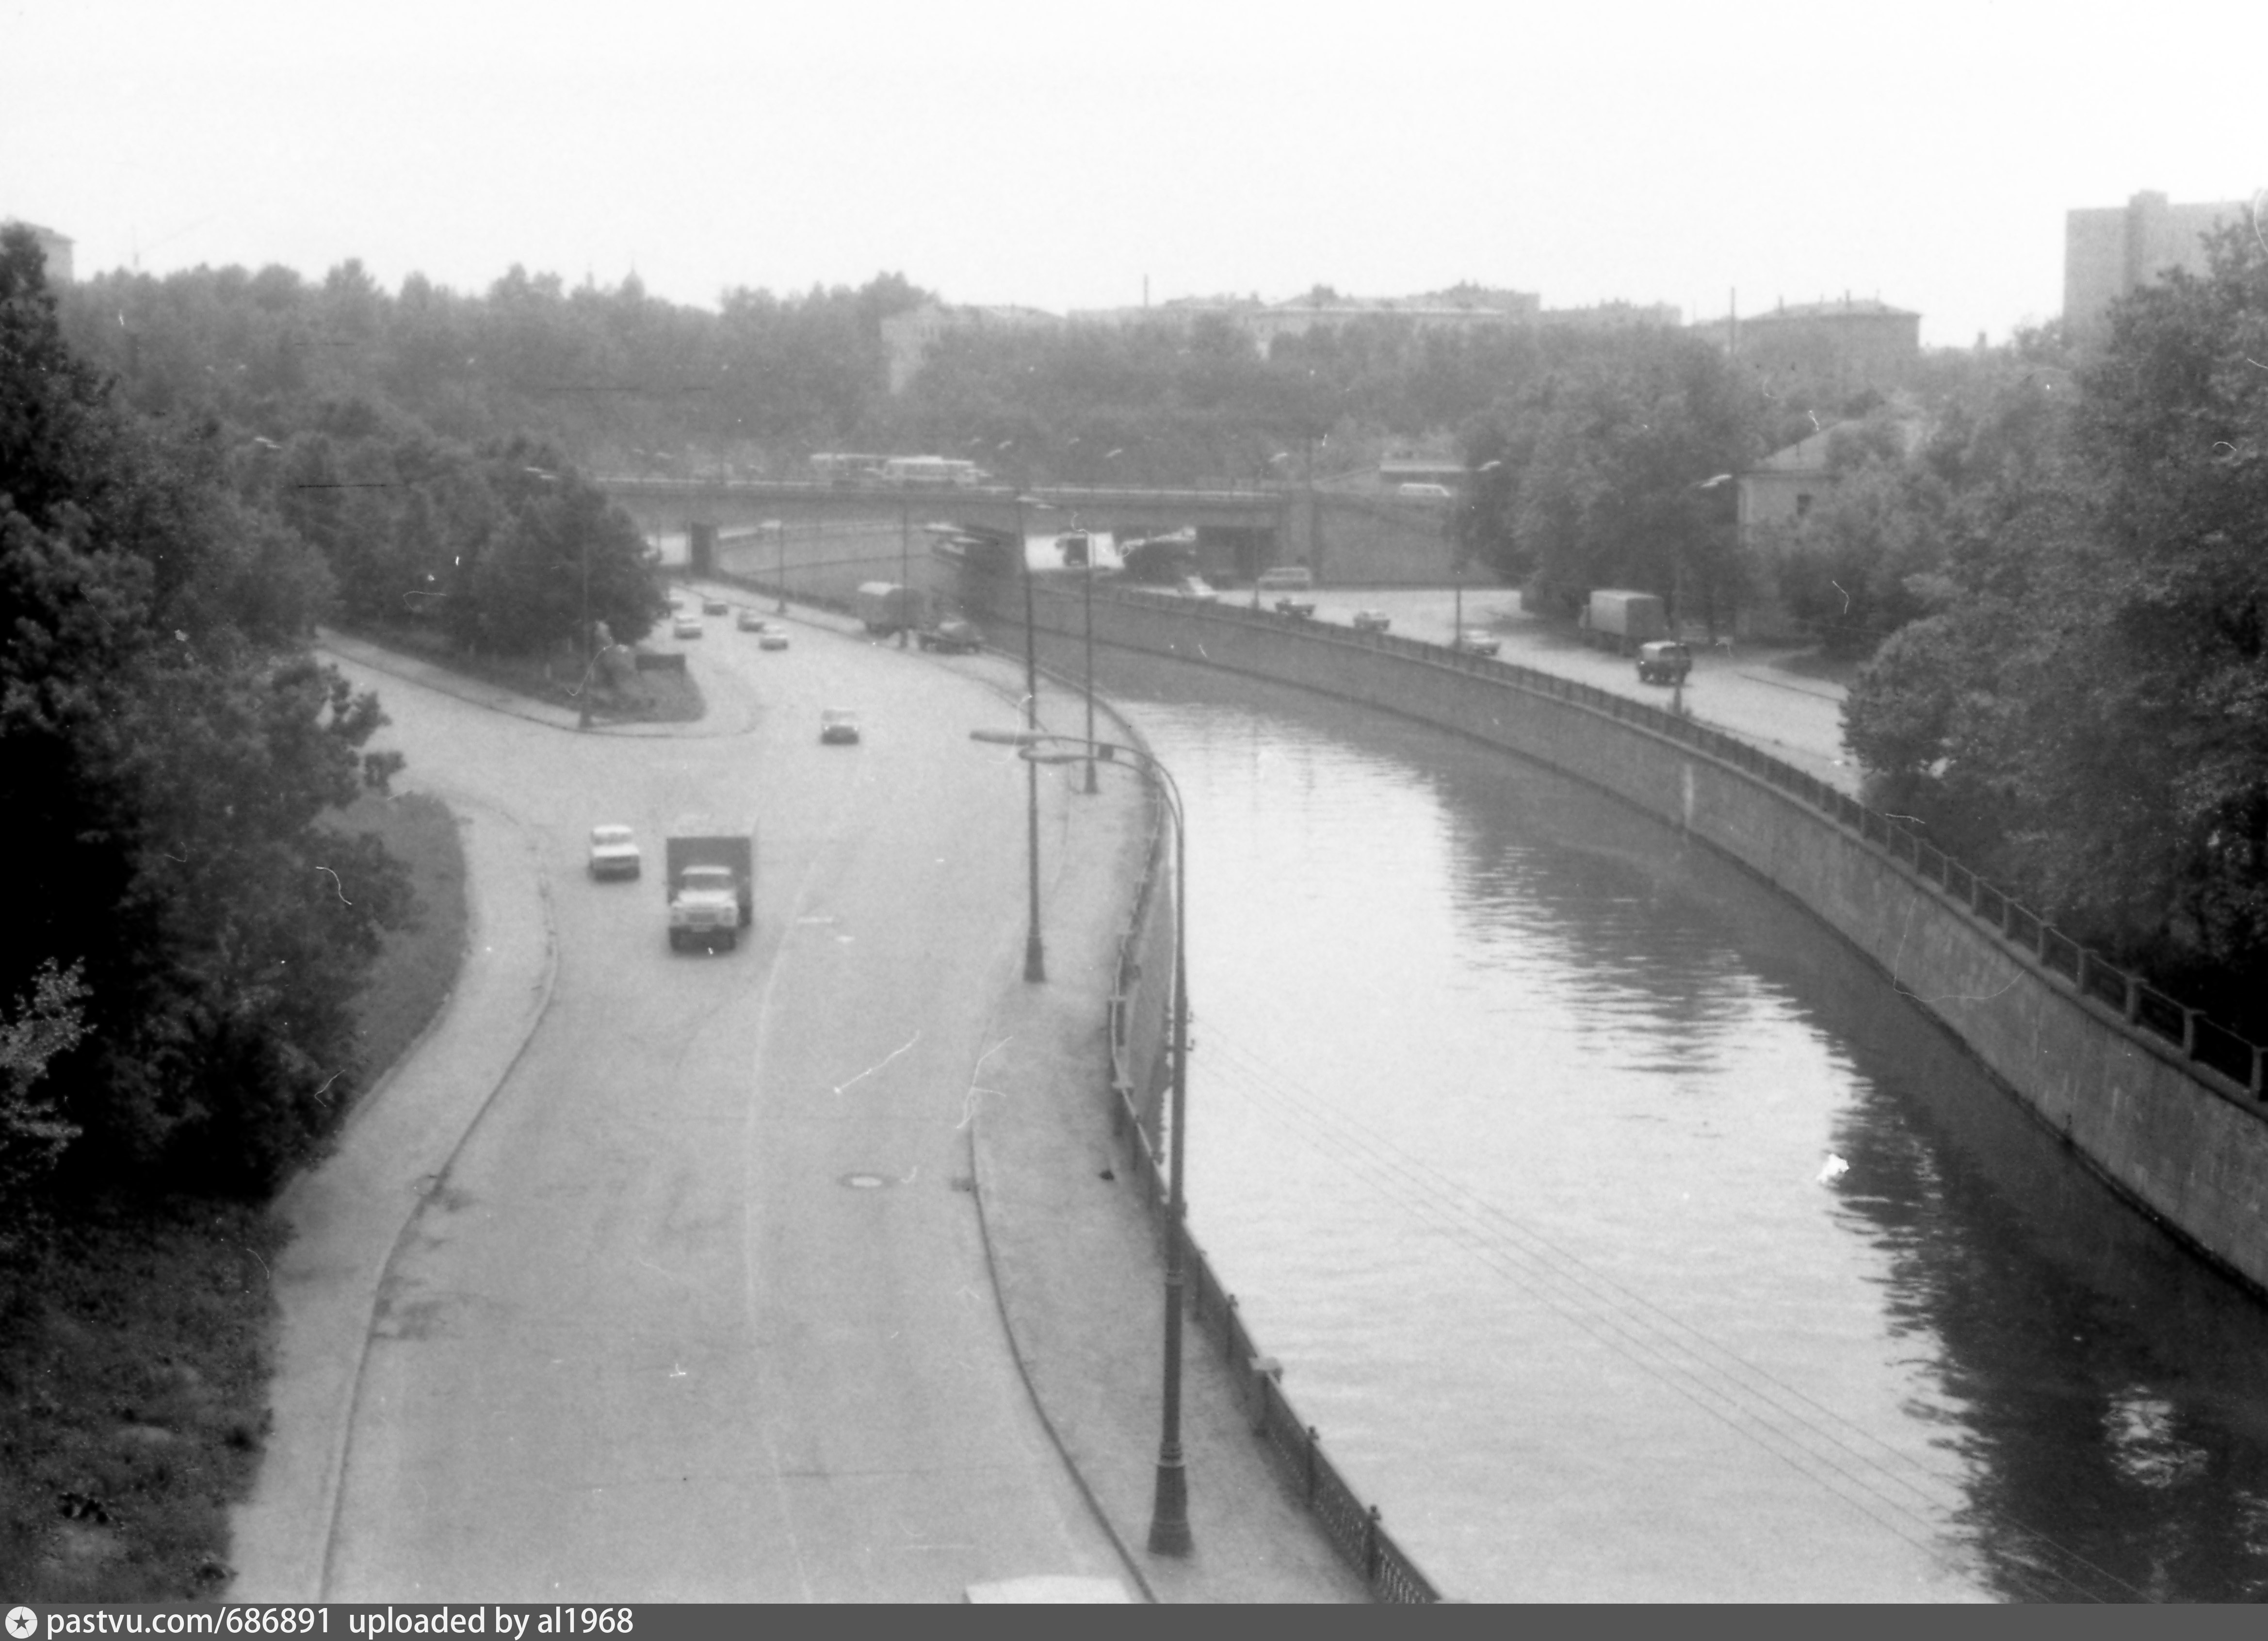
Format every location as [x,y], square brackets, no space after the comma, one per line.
[136,1343]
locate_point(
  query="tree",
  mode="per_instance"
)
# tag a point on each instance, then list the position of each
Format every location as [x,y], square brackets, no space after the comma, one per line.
[1597,471]
[2102,677]
[170,751]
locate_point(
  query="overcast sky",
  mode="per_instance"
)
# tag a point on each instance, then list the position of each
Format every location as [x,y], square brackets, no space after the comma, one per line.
[1059,155]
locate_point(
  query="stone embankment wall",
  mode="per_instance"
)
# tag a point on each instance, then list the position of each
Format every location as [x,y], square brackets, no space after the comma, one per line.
[2107,1062]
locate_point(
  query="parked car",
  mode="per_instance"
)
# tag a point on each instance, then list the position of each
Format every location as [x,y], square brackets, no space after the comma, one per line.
[748,620]
[686,626]
[950,635]
[1372,621]
[1664,662]
[772,638]
[838,726]
[1194,587]
[715,606]
[1475,641]
[613,852]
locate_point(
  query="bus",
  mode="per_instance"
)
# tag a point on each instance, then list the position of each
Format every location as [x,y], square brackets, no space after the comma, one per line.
[835,468]
[931,473]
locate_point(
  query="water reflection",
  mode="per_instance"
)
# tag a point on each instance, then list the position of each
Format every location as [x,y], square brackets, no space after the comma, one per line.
[1510,1114]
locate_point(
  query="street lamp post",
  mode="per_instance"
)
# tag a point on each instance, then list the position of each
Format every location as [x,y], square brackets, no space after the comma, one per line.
[1170,1507]
[590,652]
[1035,962]
[1086,602]
[905,572]
[780,584]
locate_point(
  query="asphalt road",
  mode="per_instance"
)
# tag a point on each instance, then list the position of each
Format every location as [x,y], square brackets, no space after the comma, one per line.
[700,1309]
[1753,692]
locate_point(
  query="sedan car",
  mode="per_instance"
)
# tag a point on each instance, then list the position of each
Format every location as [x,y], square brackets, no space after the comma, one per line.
[1475,641]
[1664,663]
[1372,621]
[748,620]
[613,852]
[772,638]
[686,627]
[715,606]
[838,726]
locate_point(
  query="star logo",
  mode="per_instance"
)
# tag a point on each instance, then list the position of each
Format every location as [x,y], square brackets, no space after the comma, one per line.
[23,1624]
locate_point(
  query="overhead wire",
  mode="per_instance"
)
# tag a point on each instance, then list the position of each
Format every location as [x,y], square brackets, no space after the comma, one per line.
[1779,1417]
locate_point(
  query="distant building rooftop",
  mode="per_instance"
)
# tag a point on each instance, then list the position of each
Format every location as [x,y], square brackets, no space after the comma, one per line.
[55,246]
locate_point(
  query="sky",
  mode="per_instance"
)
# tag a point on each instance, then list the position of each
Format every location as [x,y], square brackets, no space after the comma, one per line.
[1064,156]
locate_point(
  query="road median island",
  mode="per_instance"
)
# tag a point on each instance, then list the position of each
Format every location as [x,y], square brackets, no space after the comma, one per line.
[665,693]
[1077,1259]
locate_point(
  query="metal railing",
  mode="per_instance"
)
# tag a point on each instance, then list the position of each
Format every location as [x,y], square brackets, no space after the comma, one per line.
[2145,1014]
[1357,1531]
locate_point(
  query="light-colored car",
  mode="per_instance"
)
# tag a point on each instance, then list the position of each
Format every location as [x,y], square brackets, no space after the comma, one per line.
[1372,621]
[748,620]
[715,606]
[838,726]
[1475,641]
[685,625]
[1194,587]
[772,638]
[1425,492]
[613,852]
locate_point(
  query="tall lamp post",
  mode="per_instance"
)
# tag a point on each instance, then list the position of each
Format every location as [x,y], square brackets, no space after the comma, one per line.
[583,646]
[1170,1507]
[779,584]
[1087,605]
[1035,962]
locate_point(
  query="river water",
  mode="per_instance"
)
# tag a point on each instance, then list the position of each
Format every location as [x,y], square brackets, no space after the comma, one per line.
[1626,1238]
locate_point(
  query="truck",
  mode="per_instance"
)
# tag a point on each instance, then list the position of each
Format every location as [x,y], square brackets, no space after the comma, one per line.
[885,607]
[1619,620]
[712,882]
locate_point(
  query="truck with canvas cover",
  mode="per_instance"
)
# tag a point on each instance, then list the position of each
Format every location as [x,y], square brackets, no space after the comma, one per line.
[1620,619]
[711,883]
[884,607]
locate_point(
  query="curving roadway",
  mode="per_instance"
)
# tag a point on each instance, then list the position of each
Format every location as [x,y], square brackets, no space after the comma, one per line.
[697,1306]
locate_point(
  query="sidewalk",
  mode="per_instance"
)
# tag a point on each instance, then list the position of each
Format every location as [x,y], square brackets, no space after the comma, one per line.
[1078,1266]
[346,1215]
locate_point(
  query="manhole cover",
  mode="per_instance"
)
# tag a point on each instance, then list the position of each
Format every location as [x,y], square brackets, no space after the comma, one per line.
[865,1182]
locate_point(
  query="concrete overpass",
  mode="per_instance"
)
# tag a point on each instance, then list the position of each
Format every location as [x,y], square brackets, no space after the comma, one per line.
[1239,531]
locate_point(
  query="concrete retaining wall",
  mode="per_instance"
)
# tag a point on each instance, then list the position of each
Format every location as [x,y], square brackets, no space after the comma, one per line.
[2189,1145]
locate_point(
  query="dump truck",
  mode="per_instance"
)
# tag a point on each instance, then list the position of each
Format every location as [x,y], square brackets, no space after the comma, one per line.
[1618,620]
[885,607]
[711,883]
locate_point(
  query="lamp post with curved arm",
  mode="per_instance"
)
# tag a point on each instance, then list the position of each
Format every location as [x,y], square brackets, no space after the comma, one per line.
[1169,1509]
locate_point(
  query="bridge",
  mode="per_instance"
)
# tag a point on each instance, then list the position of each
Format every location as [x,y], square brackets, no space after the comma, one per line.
[1239,531]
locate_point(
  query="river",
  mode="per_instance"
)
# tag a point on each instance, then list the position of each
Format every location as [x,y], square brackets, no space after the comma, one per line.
[1627,1238]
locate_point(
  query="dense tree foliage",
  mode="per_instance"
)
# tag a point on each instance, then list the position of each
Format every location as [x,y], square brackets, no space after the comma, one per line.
[1611,465]
[2088,714]
[184,933]
[614,377]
